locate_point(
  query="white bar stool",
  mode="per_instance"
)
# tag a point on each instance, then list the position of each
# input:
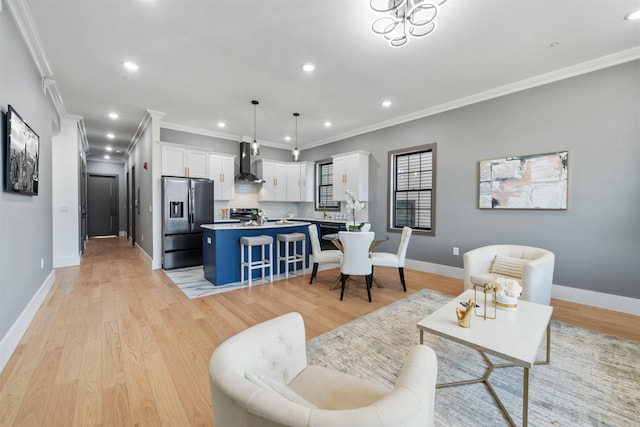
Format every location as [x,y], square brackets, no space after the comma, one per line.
[294,257]
[263,263]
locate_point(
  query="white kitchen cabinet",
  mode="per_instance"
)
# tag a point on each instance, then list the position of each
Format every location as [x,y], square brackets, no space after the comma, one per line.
[183,161]
[351,172]
[197,164]
[274,175]
[300,182]
[222,172]
[174,160]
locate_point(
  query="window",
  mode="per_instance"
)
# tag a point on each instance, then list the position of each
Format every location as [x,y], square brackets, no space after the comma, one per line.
[412,184]
[324,191]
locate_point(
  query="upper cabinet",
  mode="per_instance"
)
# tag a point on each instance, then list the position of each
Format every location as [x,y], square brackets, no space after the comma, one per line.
[300,182]
[184,161]
[222,172]
[274,175]
[351,172]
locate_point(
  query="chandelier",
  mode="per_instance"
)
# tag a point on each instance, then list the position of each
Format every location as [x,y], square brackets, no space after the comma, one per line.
[404,19]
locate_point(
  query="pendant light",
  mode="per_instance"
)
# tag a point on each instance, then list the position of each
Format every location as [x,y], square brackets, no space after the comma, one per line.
[255,147]
[295,154]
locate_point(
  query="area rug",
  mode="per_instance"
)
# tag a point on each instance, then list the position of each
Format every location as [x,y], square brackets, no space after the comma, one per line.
[593,379]
[191,282]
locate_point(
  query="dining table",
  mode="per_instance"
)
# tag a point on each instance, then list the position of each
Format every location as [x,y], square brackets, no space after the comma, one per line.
[335,239]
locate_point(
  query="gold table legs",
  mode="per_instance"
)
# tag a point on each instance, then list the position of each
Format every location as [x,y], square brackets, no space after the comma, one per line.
[485,379]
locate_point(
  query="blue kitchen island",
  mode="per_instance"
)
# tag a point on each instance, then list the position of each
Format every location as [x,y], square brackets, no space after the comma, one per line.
[221,247]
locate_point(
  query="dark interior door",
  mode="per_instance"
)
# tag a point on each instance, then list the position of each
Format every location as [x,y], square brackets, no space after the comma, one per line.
[102,210]
[134,204]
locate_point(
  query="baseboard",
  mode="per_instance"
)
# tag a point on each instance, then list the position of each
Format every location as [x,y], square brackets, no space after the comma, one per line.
[442,270]
[10,341]
[68,261]
[144,255]
[564,293]
[597,299]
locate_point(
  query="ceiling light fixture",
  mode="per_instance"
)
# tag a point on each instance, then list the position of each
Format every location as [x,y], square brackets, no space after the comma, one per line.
[106,157]
[386,104]
[295,154]
[130,66]
[113,116]
[222,125]
[110,136]
[633,16]
[308,67]
[404,18]
[108,148]
[287,138]
[327,124]
[255,147]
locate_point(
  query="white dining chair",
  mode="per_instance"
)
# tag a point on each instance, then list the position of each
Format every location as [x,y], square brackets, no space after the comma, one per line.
[366,227]
[356,261]
[320,256]
[397,260]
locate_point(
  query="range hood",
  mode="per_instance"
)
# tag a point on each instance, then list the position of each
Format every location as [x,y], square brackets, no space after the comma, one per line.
[245,175]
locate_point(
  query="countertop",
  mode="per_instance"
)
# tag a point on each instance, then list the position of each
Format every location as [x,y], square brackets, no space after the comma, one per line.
[243,226]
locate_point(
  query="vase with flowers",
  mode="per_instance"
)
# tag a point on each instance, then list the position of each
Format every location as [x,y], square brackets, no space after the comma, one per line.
[507,293]
[353,206]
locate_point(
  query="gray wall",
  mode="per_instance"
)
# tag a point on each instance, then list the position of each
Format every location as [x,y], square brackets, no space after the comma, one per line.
[594,116]
[25,221]
[114,168]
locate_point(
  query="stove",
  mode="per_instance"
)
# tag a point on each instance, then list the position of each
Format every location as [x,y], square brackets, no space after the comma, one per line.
[243,214]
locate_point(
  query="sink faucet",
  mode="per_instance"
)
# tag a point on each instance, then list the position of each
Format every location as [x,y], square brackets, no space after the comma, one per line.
[324,212]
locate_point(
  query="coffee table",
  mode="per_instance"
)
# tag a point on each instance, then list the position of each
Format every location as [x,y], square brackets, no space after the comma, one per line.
[514,336]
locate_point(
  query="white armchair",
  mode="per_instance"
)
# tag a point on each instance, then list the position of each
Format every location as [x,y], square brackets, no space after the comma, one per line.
[531,267]
[318,255]
[260,377]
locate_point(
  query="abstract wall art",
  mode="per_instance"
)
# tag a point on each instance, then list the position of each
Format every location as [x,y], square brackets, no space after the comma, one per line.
[537,181]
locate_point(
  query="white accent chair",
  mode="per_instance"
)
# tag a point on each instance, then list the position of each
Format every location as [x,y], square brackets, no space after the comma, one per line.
[318,255]
[531,267]
[397,260]
[356,261]
[260,377]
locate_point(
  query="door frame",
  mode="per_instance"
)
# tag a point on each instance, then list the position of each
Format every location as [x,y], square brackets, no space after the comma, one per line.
[116,195]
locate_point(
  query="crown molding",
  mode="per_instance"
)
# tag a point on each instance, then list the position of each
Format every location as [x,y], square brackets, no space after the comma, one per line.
[227,136]
[27,28]
[543,79]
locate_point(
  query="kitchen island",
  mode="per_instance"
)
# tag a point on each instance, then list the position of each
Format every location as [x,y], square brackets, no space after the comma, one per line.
[221,246]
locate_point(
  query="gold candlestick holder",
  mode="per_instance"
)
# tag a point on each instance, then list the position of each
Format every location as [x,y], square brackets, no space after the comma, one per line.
[486,290]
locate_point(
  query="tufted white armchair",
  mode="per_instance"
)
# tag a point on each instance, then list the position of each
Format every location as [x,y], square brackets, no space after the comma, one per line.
[531,267]
[260,377]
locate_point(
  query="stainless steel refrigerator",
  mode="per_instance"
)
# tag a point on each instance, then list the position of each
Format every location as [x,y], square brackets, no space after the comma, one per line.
[187,203]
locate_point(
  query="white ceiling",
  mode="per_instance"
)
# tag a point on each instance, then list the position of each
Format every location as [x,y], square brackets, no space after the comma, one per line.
[204,61]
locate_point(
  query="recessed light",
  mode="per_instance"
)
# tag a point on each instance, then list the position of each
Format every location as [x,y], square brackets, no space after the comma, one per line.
[107,157]
[327,124]
[386,104]
[110,136]
[119,151]
[108,148]
[221,124]
[287,138]
[113,116]
[308,67]
[130,66]
[633,16]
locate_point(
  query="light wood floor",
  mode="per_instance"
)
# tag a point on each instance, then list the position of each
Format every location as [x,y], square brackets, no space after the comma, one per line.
[118,344]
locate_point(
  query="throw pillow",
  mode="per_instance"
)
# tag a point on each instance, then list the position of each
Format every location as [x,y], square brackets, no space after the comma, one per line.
[507,266]
[269,383]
